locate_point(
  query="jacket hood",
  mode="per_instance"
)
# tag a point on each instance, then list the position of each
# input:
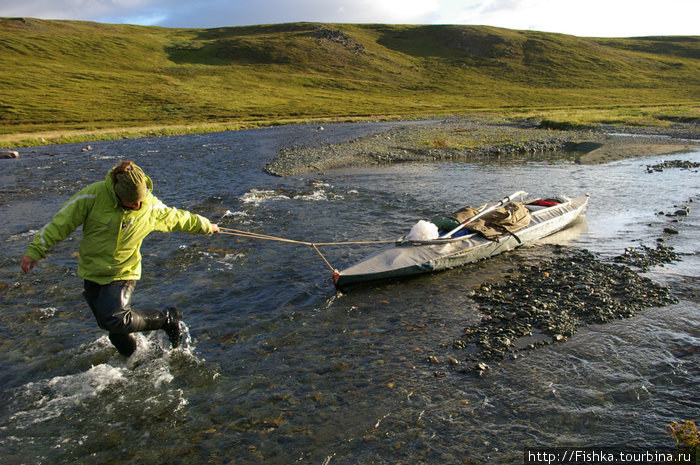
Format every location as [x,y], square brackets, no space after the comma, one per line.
[110,183]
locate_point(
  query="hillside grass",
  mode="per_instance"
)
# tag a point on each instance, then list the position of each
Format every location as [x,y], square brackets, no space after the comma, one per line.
[66,81]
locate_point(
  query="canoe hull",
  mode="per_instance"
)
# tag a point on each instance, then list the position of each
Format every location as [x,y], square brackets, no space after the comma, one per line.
[404,259]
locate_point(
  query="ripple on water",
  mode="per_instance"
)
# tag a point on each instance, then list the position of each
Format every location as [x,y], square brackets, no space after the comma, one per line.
[127,396]
[281,369]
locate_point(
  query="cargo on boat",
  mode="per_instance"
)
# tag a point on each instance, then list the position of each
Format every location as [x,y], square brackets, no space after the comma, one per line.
[413,254]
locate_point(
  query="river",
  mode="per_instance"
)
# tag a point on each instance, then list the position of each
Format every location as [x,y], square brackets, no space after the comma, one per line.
[280,368]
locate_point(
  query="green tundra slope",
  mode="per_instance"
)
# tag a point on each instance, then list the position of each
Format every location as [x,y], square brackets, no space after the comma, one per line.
[70,75]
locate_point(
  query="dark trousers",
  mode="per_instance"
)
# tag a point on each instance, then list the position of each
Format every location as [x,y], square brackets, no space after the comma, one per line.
[111,305]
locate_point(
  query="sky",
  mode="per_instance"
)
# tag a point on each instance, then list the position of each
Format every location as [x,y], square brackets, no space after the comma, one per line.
[587,18]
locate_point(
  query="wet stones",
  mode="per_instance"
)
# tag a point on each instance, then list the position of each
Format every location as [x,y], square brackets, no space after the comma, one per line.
[645,257]
[681,164]
[680,212]
[547,303]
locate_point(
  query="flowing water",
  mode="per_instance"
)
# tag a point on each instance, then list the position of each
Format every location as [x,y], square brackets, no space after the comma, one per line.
[279,368]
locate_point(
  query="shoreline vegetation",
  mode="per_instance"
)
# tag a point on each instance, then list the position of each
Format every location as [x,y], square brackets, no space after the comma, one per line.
[465,138]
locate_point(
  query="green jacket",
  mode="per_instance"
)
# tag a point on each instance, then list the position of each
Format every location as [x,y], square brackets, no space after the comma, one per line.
[110,249]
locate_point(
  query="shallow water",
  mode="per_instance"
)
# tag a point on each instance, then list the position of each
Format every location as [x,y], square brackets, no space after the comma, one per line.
[282,369]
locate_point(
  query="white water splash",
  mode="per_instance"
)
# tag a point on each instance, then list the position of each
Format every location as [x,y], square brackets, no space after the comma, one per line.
[51,398]
[314,193]
[230,260]
[317,195]
[47,312]
[258,196]
[145,375]
[229,214]
[15,237]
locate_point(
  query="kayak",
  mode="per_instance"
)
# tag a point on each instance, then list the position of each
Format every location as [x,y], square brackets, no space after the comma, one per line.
[410,257]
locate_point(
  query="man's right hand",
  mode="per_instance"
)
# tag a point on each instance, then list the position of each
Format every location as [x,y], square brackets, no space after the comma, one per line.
[28,264]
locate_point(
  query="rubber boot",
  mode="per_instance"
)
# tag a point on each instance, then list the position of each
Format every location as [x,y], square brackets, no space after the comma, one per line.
[172,326]
[168,321]
[148,320]
[125,343]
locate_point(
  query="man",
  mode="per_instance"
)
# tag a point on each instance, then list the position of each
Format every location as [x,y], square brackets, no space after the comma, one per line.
[117,214]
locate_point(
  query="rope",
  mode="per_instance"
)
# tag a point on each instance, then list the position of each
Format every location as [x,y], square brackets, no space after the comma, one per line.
[252,235]
[324,258]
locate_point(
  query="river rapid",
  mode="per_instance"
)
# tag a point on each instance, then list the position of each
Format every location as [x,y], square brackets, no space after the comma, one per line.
[279,367]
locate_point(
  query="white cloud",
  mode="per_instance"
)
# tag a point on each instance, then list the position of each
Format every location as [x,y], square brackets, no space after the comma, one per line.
[588,18]
[70,9]
[578,17]
[401,11]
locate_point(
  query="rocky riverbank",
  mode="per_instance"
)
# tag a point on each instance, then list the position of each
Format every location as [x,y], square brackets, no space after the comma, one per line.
[548,302]
[469,139]
[537,305]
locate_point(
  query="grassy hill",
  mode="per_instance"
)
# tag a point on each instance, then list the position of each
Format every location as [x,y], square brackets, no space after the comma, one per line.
[82,76]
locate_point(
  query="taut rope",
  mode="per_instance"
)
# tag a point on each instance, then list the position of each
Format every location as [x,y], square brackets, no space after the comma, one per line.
[252,235]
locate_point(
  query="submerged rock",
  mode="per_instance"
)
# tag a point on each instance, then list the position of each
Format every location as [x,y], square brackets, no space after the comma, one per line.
[9,154]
